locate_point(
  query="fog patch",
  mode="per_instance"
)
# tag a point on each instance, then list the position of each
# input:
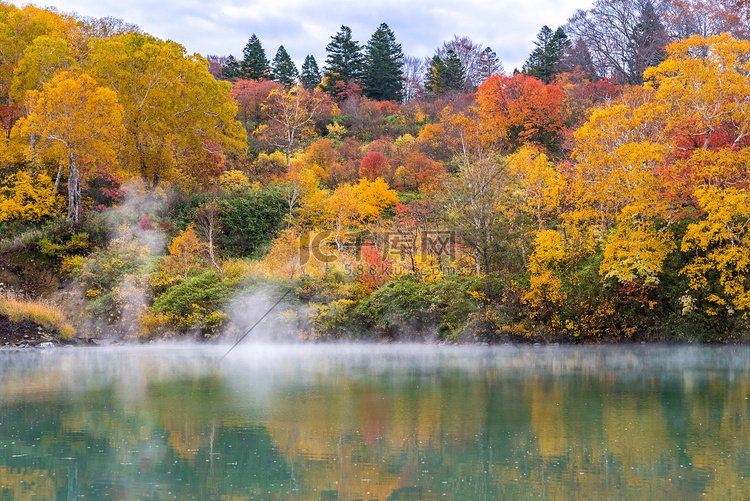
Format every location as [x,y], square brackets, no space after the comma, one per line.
[130,225]
[266,315]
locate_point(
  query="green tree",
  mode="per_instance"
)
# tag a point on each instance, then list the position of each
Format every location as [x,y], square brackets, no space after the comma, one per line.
[550,47]
[343,63]
[445,74]
[383,77]
[455,74]
[255,65]
[283,69]
[434,79]
[310,73]
[231,68]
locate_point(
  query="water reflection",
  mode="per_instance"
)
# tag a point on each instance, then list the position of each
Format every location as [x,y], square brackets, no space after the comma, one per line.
[375,422]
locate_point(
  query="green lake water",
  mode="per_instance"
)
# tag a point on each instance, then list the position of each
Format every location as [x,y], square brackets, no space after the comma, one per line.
[385,422]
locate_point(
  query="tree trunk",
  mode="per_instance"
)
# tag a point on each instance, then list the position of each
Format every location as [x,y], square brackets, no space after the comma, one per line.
[74,191]
[59,174]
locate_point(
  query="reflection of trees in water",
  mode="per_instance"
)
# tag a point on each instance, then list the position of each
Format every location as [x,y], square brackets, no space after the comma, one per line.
[515,427]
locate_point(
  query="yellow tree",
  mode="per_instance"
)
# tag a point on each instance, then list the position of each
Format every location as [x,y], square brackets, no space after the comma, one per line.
[78,122]
[44,57]
[291,116]
[19,28]
[703,90]
[540,187]
[681,142]
[185,254]
[616,188]
[178,118]
[25,197]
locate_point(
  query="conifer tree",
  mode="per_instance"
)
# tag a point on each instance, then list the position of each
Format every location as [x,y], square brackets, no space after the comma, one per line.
[231,68]
[255,65]
[343,63]
[455,75]
[550,47]
[383,77]
[310,76]
[445,74]
[283,69]
[488,65]
[434,80]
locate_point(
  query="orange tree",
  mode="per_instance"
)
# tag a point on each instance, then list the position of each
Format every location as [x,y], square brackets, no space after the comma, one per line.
[79,122]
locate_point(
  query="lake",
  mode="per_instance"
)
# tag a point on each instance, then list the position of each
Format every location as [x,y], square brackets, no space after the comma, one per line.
[375,422]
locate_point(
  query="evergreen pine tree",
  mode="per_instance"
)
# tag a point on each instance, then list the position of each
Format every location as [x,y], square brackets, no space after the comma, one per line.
[435,79]
[310,73]
[343,63]
[550,47]
[455,75]
[255,65]
[383,77]
[231,68]
[647,45]
[283,69]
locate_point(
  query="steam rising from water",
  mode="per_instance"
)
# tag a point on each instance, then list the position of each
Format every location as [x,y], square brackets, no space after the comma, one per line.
[123,224]
[263,367]
[267,317]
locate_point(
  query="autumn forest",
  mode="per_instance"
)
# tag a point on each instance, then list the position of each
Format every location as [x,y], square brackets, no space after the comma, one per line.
[599,193]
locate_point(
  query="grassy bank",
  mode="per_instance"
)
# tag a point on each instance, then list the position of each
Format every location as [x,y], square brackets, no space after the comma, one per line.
[45,314]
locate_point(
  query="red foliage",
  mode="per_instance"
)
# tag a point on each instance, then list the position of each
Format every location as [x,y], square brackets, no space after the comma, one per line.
[146,223]
[374,269]
[373,166]
[249,96]
[419,169]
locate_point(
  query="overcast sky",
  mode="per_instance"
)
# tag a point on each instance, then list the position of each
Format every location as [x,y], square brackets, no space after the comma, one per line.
[222,27]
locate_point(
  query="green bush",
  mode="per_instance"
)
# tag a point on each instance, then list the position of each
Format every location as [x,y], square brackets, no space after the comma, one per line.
[248,219]
[196,302]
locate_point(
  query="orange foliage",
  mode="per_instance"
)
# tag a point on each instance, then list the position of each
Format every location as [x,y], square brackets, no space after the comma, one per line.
[418,169]
[526,108]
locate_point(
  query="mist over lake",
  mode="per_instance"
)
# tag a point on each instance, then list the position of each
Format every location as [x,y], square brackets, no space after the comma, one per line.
[380,422]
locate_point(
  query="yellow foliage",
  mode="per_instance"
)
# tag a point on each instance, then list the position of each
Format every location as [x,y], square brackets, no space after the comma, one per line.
[427,268]
[540,186]
[233,180]
[283,260]
[48,315]
[375,196]
[335,130]
[185,254]
[29,198]
[549,250]
[544,289]
[723,246]
[313,208]
[636,250]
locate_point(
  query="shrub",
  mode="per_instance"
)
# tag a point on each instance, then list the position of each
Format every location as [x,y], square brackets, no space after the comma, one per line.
[195,303]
